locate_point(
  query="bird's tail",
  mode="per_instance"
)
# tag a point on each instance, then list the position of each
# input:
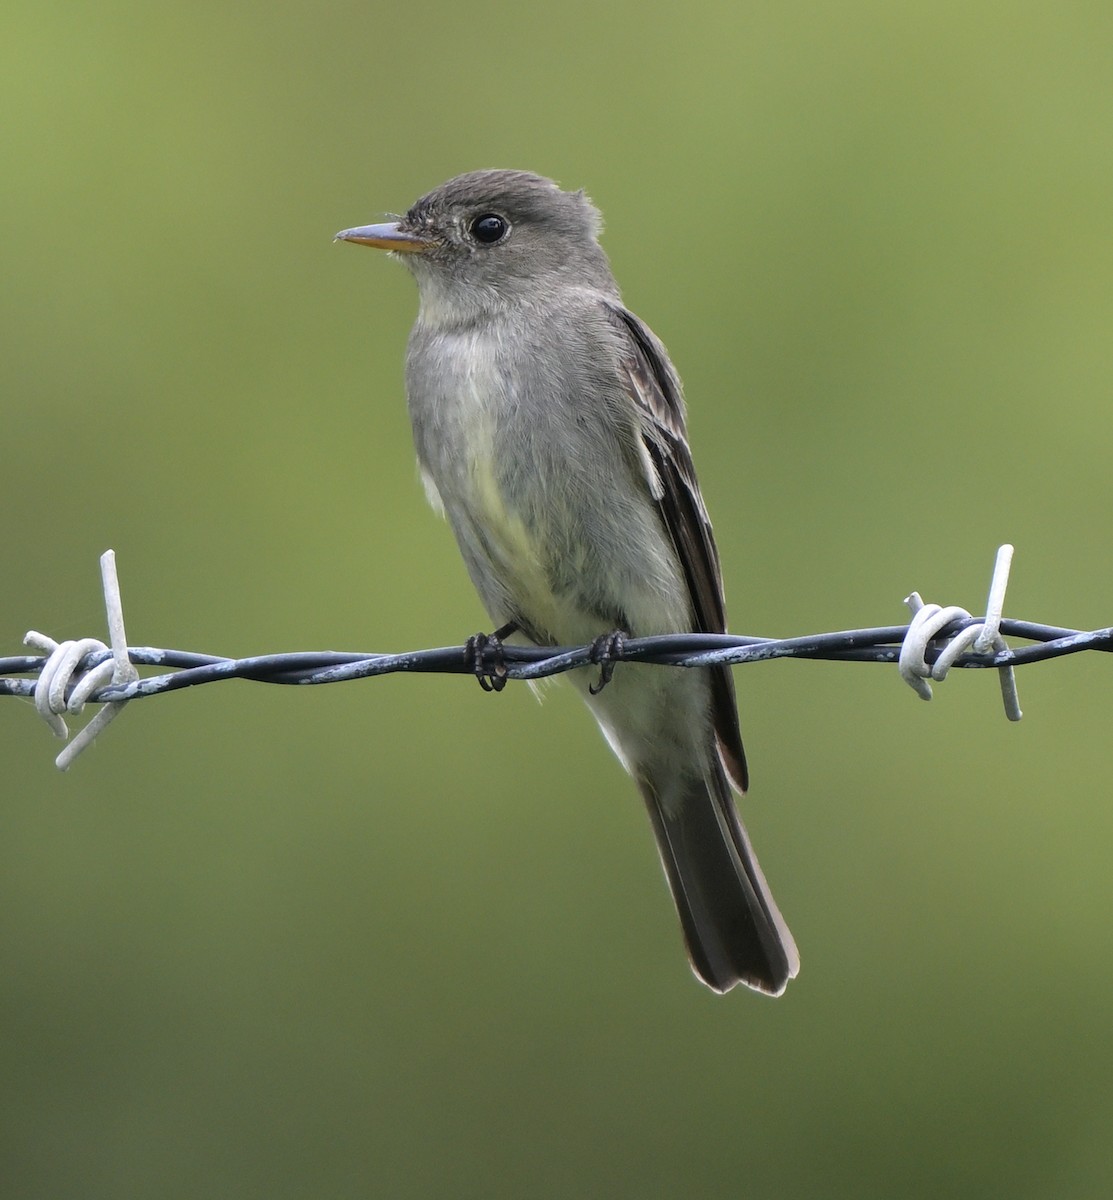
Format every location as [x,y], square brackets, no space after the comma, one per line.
[734,931]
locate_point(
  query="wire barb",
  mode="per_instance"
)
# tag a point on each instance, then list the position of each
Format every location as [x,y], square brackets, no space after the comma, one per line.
[980,637]
[74,670]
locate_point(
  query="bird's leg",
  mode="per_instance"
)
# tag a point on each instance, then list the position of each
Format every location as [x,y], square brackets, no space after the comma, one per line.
[480,648]
[606,650]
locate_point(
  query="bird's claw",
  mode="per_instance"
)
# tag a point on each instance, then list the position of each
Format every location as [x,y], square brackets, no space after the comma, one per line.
[482,649]
[606,650]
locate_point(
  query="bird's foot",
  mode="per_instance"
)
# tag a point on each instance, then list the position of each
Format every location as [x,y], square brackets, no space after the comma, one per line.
[483,653]
[606,650]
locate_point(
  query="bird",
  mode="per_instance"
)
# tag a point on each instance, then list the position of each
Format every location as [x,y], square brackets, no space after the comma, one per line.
[550,429]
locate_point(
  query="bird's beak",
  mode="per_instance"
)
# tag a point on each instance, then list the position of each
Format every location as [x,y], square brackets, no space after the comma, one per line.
[385,237]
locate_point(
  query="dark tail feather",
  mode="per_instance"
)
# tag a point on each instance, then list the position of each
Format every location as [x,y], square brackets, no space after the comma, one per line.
[734,931]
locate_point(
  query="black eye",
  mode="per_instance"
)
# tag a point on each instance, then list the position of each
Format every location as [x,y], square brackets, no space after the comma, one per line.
[489,228]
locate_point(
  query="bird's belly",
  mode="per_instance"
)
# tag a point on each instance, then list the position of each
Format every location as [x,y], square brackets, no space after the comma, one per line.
[519,556]
[566,549]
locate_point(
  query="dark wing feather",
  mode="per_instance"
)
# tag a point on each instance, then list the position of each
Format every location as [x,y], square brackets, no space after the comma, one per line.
[655,388]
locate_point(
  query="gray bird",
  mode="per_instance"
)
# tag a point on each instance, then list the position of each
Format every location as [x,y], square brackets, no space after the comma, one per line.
[550,431]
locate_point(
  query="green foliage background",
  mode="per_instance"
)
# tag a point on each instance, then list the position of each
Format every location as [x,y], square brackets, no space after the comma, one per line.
[403,939]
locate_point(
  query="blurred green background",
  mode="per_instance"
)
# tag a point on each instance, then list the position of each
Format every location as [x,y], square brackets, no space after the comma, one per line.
[399,938]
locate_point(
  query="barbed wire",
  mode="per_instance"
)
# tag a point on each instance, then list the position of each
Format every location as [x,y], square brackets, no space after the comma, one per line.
[69,675]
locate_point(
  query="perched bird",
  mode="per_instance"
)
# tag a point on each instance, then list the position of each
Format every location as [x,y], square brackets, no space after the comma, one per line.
[550,430]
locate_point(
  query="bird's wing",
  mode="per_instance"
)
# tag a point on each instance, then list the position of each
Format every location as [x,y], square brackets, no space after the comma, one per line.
[655,389]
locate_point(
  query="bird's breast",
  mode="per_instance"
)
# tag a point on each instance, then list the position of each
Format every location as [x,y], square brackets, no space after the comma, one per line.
[473,437]
[551,509]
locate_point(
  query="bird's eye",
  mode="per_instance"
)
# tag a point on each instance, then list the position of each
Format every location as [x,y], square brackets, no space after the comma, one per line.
[489,228]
